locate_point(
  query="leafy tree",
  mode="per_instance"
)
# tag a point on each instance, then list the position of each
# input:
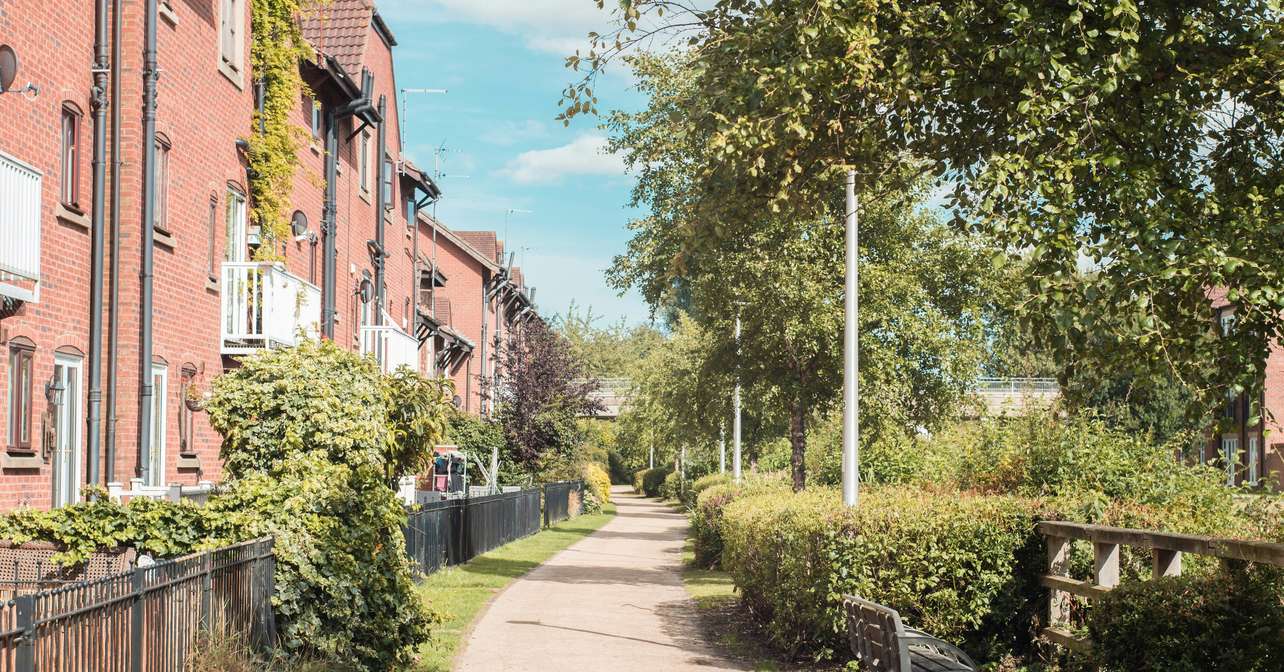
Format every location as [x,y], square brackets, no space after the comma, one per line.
[543,391]
[1140,140]
[609,351]
[922,287]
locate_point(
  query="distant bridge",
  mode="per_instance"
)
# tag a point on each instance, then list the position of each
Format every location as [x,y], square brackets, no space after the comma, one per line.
[614,394]
[1013,396]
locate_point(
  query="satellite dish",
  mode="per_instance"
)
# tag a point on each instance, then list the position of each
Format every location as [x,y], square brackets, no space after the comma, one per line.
[299,224]
[8,67]
[366,290]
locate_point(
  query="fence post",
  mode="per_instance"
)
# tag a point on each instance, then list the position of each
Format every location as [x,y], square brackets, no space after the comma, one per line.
[544,489]
[26,655]
[136,620]
[207,587]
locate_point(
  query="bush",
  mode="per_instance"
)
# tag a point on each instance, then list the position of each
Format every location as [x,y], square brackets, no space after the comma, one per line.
[649,481]
[673,486]
[1225,622]
[706,522]
[597,481]
[619,471]
[952,565]
[310,441]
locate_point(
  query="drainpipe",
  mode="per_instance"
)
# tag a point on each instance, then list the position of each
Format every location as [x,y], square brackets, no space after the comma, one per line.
[481,374]
[113,349]
[100,103]
[328,222]
[149,218]
[381,205]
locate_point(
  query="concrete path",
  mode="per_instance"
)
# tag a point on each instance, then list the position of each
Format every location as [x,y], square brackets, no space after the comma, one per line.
[613,601]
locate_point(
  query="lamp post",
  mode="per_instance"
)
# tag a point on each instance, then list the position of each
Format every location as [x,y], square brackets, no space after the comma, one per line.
[735,404]
[851,356]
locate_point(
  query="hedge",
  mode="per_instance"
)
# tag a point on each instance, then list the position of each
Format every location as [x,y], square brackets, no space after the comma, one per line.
[957,566]
[1224,622]
[649,481]
[706,522]
[597,481]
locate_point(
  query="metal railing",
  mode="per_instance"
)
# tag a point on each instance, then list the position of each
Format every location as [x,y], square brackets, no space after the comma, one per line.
[562,501]
[1166,553]
[147,619]
[20,219]
[265,306]
[1016,386]
[455,531]
[391,347]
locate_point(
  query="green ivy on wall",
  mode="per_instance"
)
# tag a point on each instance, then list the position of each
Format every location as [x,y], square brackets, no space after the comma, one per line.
[275,51]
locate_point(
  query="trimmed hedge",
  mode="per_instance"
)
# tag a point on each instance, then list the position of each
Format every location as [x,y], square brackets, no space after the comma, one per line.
[706,522]
[649,481]
[1224,622]
[953,565]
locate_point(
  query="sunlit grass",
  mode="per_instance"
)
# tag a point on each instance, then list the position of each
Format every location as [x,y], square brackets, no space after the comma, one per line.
[460,593]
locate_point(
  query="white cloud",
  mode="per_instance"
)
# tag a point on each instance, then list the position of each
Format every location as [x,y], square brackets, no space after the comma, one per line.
[508,133]
[545,25]
[586,155]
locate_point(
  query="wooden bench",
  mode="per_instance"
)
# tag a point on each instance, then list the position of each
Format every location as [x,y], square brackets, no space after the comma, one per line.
[882,643]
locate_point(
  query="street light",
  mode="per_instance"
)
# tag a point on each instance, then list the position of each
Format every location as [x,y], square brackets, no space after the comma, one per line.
[851,355]
[735,403]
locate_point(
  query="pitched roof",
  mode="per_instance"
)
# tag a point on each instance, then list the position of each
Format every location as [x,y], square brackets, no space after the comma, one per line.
[338,28]
[485,242]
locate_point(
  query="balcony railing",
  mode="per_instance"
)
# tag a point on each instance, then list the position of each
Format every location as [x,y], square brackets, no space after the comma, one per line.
[266,307]
[19,230]
[391,347]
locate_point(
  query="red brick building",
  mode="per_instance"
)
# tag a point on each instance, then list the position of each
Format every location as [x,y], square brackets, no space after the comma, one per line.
[211,303]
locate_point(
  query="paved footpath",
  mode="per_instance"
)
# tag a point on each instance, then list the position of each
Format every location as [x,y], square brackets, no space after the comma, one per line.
[613,601]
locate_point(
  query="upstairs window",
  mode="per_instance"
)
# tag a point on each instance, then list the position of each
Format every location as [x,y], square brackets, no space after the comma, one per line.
[162,185]
[69,192]
[21,375]
[230,34]
[364,162]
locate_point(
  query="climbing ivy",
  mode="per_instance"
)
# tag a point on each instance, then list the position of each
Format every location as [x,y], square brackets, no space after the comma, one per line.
[276,48]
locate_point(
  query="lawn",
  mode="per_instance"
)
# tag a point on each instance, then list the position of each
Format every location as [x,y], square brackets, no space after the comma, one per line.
[460,593]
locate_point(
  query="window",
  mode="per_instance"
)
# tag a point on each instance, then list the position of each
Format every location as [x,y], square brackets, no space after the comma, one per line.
[1228,323]
[410,212]
[213,227]
[1230,456]
[161,169]
[1253,459]
[1232,402]
[21,356]
[389,191]
[230,34]
[70,189]
[364,172]
[237,243]
[316,121]
[187,383]
[155,474]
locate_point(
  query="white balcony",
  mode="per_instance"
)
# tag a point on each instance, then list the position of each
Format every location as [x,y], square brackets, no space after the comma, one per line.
[266,307]
[391,347]
[19,230]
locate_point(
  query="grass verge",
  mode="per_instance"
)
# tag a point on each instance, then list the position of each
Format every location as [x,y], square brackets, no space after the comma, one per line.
[459,593]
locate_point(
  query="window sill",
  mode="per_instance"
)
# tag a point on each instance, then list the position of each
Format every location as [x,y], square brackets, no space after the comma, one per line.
[189,462]
[364,194]
[164,238]
[20,461]
[232,74]
[73,217]
[314,146]
[166,12]
[211,284]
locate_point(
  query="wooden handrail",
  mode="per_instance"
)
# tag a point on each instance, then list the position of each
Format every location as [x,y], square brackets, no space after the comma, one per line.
[1166,550]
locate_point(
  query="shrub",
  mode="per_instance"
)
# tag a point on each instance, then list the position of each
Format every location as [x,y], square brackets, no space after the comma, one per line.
[619,471]
[705,482]
[310,439]
[639,481]
[597,481]
[673,486]
[653,480]
[1223,622]
[952,565]
[706,522]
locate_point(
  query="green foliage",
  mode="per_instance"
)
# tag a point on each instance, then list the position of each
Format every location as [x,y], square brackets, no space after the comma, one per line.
[707,481]
[706,522]
[474,435]
[276,49]
[886,457]
[674,486]
[417,417]
[618,469]
[597,482]
[611,351]
[950,564]
[650,481]
[1229,621]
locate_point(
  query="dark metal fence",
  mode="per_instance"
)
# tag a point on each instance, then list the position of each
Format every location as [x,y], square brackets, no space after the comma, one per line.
[147,619]
[562,501]
[458,530]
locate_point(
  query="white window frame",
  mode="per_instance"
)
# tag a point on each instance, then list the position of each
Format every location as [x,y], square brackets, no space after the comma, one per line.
[363,163]
[154,474]
[69,424]
[236,227]
[1230,456]
[230,39]
[1254,450]
[1228,323]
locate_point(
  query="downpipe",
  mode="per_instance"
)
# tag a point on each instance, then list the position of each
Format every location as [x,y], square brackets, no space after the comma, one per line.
[113,326]
[146,242]
[97,244]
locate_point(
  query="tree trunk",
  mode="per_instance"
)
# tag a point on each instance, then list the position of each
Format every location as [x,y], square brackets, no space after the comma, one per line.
[798,441]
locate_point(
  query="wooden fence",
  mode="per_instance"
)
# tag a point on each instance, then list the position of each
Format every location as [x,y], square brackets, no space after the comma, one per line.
[1166,560]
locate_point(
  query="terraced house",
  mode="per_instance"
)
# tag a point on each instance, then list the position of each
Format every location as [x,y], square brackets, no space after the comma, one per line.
[130,273]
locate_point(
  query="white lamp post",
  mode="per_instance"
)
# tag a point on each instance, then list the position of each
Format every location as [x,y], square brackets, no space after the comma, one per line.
[851,356]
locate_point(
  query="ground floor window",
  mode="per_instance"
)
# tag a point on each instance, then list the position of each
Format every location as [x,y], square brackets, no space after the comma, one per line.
[155,474]
[1230,457]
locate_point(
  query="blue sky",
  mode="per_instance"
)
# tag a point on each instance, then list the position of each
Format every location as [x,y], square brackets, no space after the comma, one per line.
[502,61]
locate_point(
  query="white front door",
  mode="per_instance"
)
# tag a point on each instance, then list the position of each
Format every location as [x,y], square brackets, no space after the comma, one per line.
[68,423]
